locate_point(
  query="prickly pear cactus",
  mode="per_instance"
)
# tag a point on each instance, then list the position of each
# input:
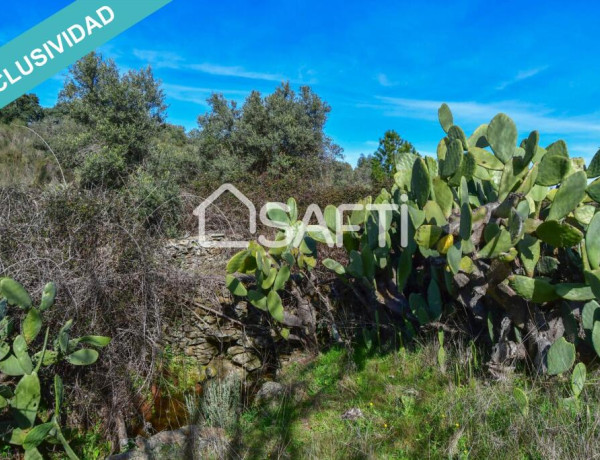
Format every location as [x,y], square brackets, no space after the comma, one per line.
[271,269]
[19,358]
[490,230]
[561,357]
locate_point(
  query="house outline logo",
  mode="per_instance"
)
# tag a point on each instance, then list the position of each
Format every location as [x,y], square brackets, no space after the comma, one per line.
[200,212]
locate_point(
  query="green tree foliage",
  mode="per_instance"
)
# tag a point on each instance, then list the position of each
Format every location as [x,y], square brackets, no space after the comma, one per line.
[105,167]
[389,148]
[276,132]
[124,112]
[25,109]
[382,163]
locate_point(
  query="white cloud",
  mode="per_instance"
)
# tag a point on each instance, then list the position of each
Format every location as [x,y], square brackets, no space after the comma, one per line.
[198,95]
[384,80]
[526,116]
[159,59]
[307,76]
[235,71]
[167,60]
[522,75]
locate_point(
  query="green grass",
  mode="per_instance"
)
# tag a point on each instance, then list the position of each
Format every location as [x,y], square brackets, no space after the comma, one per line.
[90,445]
[414,410]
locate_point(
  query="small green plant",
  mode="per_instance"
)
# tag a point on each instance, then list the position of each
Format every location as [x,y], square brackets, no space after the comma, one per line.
[441,354]
[24,423]
[219,406]
[522,401]
[273,269]
[92,444]
[179,373]
[578,379]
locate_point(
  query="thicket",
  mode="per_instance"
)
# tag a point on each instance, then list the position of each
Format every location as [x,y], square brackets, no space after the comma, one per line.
[108,131]
[111,281]
[25,109]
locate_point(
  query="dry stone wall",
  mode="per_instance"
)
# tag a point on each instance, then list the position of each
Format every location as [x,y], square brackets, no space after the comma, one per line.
[220,334]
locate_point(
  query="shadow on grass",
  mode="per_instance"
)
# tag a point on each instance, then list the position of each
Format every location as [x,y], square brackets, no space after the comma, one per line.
[269,430]
[271,423]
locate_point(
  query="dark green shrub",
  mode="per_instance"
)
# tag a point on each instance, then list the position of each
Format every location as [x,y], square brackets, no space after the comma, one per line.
[105,168]
[26,109]
[155,201]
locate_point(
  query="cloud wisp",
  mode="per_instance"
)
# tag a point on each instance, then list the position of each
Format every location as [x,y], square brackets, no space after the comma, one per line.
[167,60]
[527,116]
[384,80]
[522,75]
[235,71]
[198,95]
[160,59]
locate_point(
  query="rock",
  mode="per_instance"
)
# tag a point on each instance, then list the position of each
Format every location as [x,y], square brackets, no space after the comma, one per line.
[186,442]
[130,455]
[171,438]
[205,319]
[269,392]
[225,367]
[248,361]
[352,414]
[223,300]
[235,350]
[246,342]
[203,351]
[210,372]
[241,310]
[225,334]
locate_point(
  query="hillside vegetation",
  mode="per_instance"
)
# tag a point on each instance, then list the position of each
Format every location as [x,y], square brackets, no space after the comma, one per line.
[478,338]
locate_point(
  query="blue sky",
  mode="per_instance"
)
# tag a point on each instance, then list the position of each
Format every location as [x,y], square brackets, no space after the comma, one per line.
[380,65]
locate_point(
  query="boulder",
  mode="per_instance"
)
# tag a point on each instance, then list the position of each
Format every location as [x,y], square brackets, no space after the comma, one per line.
[186,442]
[269,392]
